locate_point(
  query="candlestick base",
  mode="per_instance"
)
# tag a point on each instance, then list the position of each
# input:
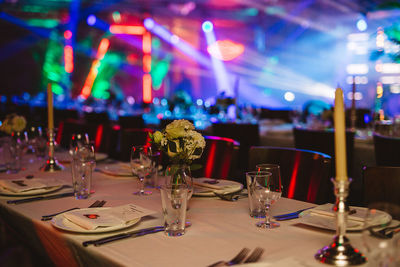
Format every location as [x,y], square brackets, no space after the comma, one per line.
[52,166]
[340,253]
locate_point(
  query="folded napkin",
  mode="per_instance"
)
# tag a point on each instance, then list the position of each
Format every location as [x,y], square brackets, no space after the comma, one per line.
[326,210]
[91,219]
[223,187]
[23,185]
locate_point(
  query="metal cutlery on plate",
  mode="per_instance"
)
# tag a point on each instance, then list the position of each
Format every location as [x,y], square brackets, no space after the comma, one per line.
[96,204]
[240,257]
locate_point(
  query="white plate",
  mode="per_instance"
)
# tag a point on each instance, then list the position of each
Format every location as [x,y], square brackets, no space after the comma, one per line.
[355,222]
[227,187]
[39,191]
[63,223]
[65,157]
[119,169]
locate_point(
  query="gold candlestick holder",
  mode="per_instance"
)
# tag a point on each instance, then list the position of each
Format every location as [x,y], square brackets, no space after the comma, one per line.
[340,252]
[51,164]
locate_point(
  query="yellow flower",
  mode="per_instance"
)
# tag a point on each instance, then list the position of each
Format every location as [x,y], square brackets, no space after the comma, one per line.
[18,123]
[157,137]
[178,128]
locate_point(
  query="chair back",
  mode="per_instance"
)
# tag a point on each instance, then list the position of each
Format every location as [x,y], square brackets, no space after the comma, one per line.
[305,174]
[219,155]
[69,127]
[387,150]
[245,133]
[128,138]
[381,184]
[96,117]
[135,121]
[324,141]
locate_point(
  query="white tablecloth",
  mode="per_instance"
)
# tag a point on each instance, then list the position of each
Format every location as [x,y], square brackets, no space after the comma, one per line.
[220,229]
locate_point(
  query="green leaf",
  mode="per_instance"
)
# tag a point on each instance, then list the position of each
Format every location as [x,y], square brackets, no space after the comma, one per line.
[198,151]
[172,146]
[195,167]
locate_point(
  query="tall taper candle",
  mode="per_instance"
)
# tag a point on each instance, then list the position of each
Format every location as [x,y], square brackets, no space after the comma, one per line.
[50,118]
[340,137]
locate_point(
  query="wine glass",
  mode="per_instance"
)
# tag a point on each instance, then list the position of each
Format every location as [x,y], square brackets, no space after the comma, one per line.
[380,243]
[141,165]
[267,189]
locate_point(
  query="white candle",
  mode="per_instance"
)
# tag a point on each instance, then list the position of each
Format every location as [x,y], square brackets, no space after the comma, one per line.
[340,137]
[50,118]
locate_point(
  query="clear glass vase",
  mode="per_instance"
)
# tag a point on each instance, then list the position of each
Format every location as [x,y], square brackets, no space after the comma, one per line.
[177,174]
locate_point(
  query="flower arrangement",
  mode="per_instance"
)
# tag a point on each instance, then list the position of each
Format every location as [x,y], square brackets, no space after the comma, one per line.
[13,123]
[180,141]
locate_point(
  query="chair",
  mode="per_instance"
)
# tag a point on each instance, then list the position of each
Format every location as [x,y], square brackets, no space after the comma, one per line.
[69,127]
[135,121]
[126,138]
[387,150]
[246,134]
[305,174]
[218,158]
[381,184]
[96,117]
[324,141]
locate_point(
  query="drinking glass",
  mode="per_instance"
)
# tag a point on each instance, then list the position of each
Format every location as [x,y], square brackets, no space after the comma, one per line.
[381,244]
[267,189]
[174,204]
[141,165]
[81,178]
[77,144]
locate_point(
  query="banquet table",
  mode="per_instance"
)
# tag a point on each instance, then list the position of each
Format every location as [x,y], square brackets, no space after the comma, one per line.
[220,229]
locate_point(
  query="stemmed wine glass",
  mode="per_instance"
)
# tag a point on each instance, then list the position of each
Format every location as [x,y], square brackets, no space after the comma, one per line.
[267,189]
[141,165]
[380,243]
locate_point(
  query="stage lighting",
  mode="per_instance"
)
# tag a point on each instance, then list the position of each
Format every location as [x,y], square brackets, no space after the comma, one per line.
[207,26]
[148,23]
[91,20]
[362,25]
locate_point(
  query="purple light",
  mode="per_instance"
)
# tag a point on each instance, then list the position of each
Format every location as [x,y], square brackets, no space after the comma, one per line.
[148,23]
[91,20]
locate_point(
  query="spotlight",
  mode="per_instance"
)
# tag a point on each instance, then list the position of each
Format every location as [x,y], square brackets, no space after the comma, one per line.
[207,26]
[91,20]
[148,23]
[362,25]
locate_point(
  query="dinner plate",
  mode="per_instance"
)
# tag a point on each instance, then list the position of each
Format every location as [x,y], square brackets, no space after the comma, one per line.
[324,218]
[227,186]
[119,169]
[65,157]
[39,191]
[60,222]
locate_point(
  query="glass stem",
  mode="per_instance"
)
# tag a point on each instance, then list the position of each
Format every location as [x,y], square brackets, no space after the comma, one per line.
[267,215]
[141,178]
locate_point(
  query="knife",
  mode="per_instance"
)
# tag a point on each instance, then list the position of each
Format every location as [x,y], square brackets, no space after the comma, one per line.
[136,233]
[25,200]
[296,213]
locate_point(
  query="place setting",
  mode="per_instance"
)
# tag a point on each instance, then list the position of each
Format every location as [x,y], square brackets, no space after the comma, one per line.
[29,187]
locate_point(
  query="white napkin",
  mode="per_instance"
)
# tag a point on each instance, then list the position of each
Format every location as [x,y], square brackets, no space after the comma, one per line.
[222,187]
[91,219]
[326,210]
[23,185]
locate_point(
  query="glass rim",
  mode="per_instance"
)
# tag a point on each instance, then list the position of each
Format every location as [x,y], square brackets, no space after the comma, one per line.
[250,173]
[268,165]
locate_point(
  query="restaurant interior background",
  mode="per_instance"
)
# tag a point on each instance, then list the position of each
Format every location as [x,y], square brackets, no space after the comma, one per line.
[272,53]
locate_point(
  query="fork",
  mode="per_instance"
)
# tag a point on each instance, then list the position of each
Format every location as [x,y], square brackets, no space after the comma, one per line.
[255,255]
[236,260]
[96,204]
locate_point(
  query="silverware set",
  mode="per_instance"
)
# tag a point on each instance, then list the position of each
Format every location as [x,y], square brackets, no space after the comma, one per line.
[241,257]
[385,233]
[96,204]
